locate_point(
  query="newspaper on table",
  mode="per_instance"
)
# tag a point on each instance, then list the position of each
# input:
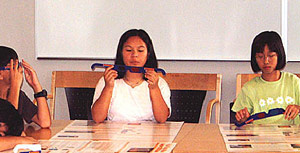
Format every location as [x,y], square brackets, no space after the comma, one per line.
[87,136]
[143,131]
[89,146]
[256,138]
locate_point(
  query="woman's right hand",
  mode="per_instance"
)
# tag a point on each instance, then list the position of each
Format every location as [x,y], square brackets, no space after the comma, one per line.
[242,115]
[16,73]
[109,76]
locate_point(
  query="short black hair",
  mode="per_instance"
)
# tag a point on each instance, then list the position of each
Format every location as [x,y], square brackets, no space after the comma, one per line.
[151,58]
[6,54]
[273,41]
[10,116]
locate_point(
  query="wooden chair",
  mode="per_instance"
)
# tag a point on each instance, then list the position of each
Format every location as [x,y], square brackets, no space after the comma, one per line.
[197,81]
[176,81]
[241,79]
[73,80]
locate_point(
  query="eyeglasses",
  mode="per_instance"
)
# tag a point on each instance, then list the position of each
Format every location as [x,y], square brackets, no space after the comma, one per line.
[263,57]
[262,115]
[124,68]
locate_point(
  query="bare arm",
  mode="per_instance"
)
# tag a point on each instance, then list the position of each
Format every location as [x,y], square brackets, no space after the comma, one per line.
[9,142]
[159,107]
[101,105]
[42,118]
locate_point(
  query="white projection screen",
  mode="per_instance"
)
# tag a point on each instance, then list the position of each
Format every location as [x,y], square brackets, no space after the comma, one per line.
[180,29]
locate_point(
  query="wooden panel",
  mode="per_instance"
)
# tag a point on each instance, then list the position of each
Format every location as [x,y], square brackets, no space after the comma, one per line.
[191,81]
[83,79]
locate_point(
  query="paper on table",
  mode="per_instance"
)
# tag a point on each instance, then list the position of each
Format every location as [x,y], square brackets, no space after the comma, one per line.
[62,146]
[258,147]
[162,147]
[104,146]
[144,131]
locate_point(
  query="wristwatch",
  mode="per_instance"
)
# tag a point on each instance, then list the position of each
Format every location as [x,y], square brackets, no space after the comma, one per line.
[42,93]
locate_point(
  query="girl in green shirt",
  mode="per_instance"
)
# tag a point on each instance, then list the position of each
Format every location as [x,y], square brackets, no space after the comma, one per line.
[274,89]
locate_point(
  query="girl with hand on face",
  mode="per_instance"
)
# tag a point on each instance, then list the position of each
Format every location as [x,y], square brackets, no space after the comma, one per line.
[131,97]
[274,89]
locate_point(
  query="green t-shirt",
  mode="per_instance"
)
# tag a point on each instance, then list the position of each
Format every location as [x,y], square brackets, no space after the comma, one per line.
[259,95]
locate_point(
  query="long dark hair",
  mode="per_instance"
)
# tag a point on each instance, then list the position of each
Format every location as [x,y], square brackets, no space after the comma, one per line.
[151,57]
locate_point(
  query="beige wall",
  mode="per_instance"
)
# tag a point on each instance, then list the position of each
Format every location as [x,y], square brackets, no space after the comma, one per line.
[17,31]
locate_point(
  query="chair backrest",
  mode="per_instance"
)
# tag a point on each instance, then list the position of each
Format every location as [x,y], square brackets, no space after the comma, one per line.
[241,79]
[71,80]
[196,82]
[79,102]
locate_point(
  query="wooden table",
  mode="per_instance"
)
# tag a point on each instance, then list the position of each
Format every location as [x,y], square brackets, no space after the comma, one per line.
[203,138]
[200,138]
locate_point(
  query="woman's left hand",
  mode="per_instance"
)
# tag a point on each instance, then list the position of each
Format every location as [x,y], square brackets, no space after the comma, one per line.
[31,77]
[291,112]
[153,78]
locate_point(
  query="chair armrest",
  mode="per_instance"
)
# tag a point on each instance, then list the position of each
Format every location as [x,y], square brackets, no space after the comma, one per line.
[51,108]
[50,96]
[209,111]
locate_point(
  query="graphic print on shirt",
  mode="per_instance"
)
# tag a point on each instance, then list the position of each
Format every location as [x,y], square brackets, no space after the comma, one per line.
[280,100]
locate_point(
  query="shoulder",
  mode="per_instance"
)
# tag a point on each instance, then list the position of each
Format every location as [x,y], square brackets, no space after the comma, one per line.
[162,81]
[252,83]
[23,96]
[290,78]
[288,75]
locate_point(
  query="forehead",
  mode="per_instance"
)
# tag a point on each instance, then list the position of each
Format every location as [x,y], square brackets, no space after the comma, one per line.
[265,49]
[134,41]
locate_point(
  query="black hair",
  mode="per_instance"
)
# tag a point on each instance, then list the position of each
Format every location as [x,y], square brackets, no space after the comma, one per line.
[273,41]
[151,57]
[6,54]
[10,116]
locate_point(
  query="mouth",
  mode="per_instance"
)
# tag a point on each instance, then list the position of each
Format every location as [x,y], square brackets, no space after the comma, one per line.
[267,67]
[134,63]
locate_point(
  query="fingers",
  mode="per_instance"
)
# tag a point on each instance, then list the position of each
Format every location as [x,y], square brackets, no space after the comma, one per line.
[27,67]
[110,73]
[242,114]
[152,77]
[16,71]
[109,76]
[291,112]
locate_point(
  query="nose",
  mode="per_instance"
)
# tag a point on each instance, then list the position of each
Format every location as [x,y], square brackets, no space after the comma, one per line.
[134,53]
[266,59]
